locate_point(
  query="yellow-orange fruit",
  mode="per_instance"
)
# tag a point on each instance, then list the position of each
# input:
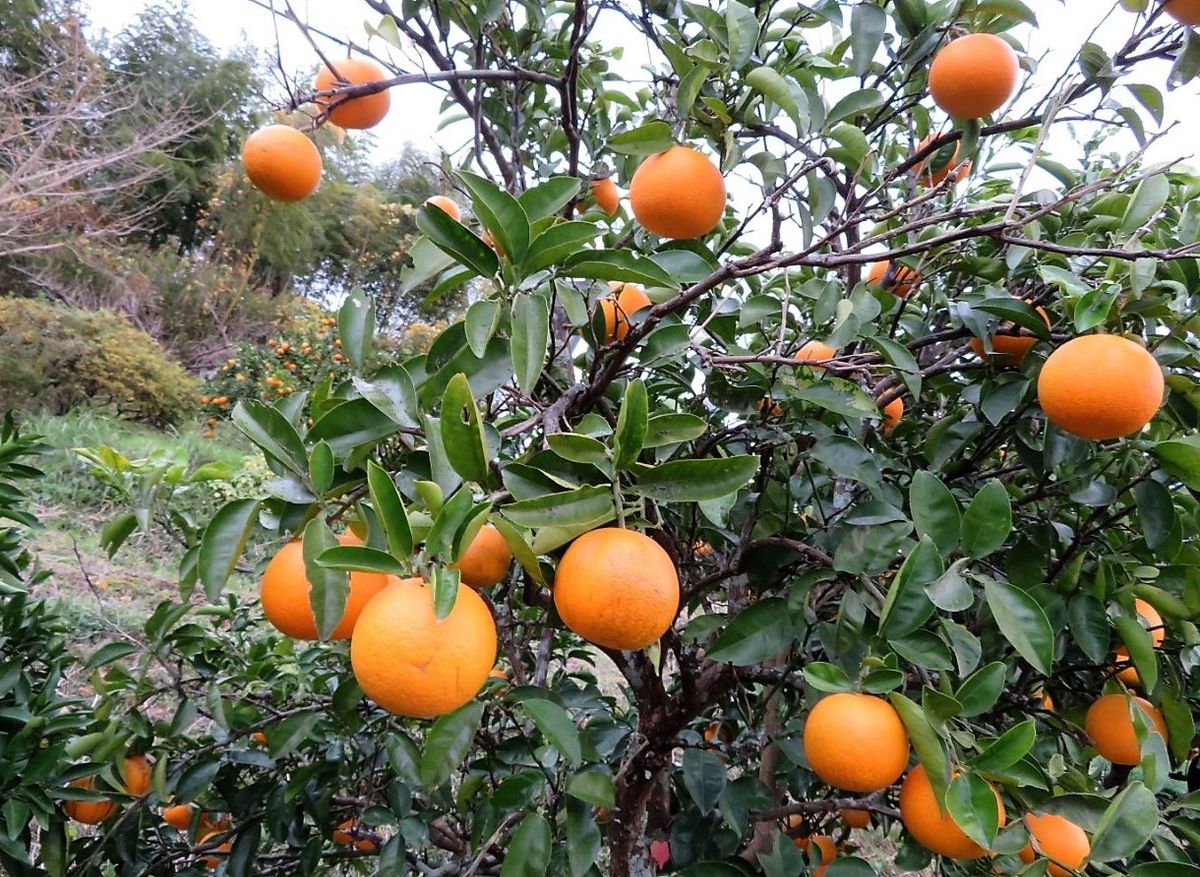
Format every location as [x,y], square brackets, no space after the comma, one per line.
[1110,727]
[678,194]
[606,195]
[1157,634]
[856,742]
[259,737]
[353,832]
[855,818]
[718,731]
[937,166]
[929,826]
[1058,839]
[814,351]
[617,588]
[446,206]
[137,775]
[828,849]
[282,163]
[213,862]
[1100,387]
[412,664]
[768,407]
[89,812]
[892,413]
[1183,11]
[365,111]
[285,586]
[486,560]
[1009,350]
[973,76]
[179,816]
[899,280]
[617,311]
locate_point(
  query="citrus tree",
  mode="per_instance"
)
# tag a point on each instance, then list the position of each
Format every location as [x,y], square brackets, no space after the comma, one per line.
[839,475]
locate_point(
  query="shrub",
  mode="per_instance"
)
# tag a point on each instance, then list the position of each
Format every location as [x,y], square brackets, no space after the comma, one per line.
[57,358]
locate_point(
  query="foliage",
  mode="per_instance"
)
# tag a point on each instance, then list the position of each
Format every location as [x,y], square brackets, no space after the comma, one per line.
[58,358]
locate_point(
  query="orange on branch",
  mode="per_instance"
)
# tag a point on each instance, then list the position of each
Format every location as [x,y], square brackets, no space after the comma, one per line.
[606,195]
[89,812]
[213,862]
[855,817]
[487,559]
[930,826]
[1009,350]
[617,588]
[352,832]
[365,111]
[856,742]
[1109,725]
[1183,11]
[618,310]
[892,413]
[973,76]
[935,167]
[1158,633]
[899,280]
[678,194]
[179,816]
[285,588]
[412,664]
[446,206]
[283,164]
[811,352]
[1059,839]
[137,775]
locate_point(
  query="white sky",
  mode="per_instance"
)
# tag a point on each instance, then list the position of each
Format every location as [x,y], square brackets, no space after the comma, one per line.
[1063,26]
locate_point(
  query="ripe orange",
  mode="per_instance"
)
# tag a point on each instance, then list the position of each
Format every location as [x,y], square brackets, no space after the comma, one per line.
[282,163]
[1157,634]
[179,816]
[606,195]
[413,665]
[1058,839]
[937,166]
[718,731]
[213,862]
[366,111]
[486,560]
[768,407]
[973,75]
[352,831]
[88,812]
[285,588]
[1009,350]
[617,311]
[678,194]
[899,280]
[828,849]
[892,412]
[855,818]
[856,742]
[259,737]
[446,205]
[1183,11]
[1047,700]
[700,548]
[1100,387]
[1110,727]
[929,826]
[617,588]
[814,351]
[137,775]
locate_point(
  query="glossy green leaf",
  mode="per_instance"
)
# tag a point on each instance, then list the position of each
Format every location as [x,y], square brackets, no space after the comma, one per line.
[907,607]
[695,480]
[934,510]
[549,197]
[926,742]
[361,558]
[742,26]
[462,431]
[583,838]
[528,851]
[328,588]
[356,327]
[480,322]
[768,82]
[669,429]
[632,425]
[1148,199]
[500,213]
[447,744]
[1141,650]
[704,777]
[761,631]
[556,726]
[520,548]
[270,430]
[646,139]
[556,243]
[827,677]
[988,521]
[980,691]
[457,241]
[867,25]
[1007,749]
[593,786]
[617,265]
[1023,623]
[390,510]
[972,804]
[445,583]
[530,338]
[223,542]
[320,467]
[581,505]
[1126,825]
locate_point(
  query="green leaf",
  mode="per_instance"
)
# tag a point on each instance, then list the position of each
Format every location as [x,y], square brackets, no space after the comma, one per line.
[647,139]
[520,548]
[856,103]
[329,588]
[907,607]
[1126,825]
[223,542]
[847,458]
[1156,513]
[867,24]
[500,213]
[391,390]
[360,558]
[1088,622]
[769,83]
[593,786]
[480,323]
[458,241]
[761,631]
[934,509]
[926,742]
[557,727]
[1016,311]
[462,431]
[695,480]
[528,851]
[350,425]
[356,327]
[583,838]
[690,85]
[1148,199]
[827,677]
[320,467]
[114,533]
[850,866]
[530,338]
[1023,623]
[632,425]
[980,691]
[669,429]
[704,778]
[987,522]
[743,29]
[270,430]
[556,243]
[617,265]
[950,591]
[546,199]
[428,260]
[447,744]
[1181,458]
[389,508]
[1007,749]
[577,506]
[972,804]
[439,541]
[1141,650]
[577,448]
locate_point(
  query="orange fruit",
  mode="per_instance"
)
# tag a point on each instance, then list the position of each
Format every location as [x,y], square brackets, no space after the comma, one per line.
[352,831]
[179,816]
[929,826]
[973,76]
[1058,839]
[285,588]
[137,775]
[1009,350]
[499,673]
[446,206]
[937,166]
[892,412]
[718,731]
[486,560]
[617,588]
[606,195]
[365,111]
[814,351]
[1183,11]
[259,737]
[1157,634]
[899,280]
[856,742]
[855,818]
[88,812]
[768,407]
[678,194]
[213,862]
[1047,700]
[617,311]
[700,548]
[412,664]
[1100,387]
[828,848]
[282,163]
[1110,727]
